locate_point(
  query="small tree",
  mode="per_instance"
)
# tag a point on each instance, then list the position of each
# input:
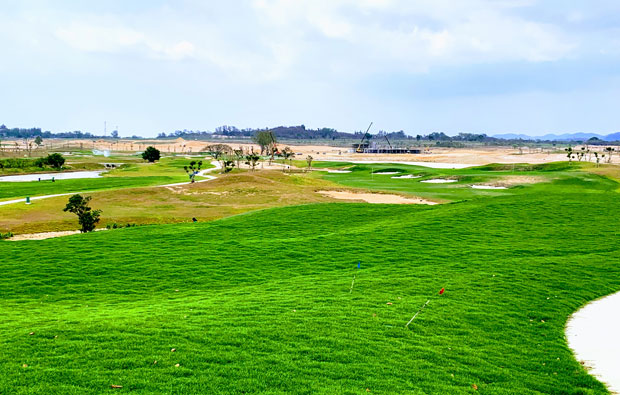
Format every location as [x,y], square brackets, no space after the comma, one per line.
[264,139]
[193,169]
[569,153]
[87,217]
[55,160]
[228,162]
[598,160]
[251,160]
[238,156]
[288,154]
[309,159]
[609,150]
[151,154]
[38,141]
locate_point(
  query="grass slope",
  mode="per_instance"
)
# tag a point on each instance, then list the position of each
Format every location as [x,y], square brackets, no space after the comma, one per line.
[260,302]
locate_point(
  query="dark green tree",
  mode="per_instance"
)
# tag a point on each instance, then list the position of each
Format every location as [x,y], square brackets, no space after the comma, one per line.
[151,154]
[55,160]
[87,217]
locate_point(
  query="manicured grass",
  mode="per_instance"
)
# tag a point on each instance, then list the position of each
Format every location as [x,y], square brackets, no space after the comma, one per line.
[546,177]
[168,170]
[261,302]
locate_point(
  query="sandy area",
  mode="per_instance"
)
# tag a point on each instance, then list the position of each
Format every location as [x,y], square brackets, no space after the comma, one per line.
[46,235]
[592,334]
[519,180]
[472,156]
[439,181]
[491,187]
[379,198]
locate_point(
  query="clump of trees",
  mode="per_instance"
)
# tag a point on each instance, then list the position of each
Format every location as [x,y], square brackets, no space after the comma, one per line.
[151,154]
[218,150]
[87,217]
[54,160]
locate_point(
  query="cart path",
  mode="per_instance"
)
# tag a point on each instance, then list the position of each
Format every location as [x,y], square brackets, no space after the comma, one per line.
[202,173]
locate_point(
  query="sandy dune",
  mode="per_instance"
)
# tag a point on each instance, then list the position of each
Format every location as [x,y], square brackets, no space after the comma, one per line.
[379,198]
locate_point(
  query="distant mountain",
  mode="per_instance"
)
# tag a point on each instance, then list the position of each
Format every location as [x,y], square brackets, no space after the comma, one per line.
[613,137]
[559,137]
[513,136]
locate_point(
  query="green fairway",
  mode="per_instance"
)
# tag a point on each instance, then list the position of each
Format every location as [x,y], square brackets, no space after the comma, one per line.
[536,178]
[262,302]
[168,170]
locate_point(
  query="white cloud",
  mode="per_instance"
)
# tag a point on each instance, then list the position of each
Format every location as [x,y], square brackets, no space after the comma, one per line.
[102,36]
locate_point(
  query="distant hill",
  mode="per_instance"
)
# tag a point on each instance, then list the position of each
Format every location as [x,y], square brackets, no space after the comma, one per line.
[559,137]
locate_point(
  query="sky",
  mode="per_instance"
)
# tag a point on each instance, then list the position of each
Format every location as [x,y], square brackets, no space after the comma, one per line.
[151,66]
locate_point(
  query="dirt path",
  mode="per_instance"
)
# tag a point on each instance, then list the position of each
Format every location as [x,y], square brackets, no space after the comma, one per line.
[203,173]
[592,334]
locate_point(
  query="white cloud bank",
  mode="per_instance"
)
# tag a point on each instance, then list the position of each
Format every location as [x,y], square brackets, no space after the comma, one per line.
[273,39]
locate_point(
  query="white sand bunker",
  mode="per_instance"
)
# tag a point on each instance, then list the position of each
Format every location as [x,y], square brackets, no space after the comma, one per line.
[378,198]
[592,334]
[387,173]
[339,171]
[487,187]
[408,176]
[47,235]
[439,181]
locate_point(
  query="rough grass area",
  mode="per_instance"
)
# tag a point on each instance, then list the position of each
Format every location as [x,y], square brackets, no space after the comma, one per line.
[227,195]
[261,302]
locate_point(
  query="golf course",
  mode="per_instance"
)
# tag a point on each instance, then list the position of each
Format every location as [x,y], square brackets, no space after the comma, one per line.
[308,293]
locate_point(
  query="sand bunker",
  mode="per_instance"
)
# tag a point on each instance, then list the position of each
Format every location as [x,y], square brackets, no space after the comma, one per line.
[519,180]
[487,187]
[408,176]
[378,198]
[339,171]
[46,235]
[439,181]
[592,334]
[387,173]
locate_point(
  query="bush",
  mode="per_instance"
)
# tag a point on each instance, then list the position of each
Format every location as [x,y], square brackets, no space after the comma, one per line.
[13,163]
[151,154]
[4,236]
[55,160]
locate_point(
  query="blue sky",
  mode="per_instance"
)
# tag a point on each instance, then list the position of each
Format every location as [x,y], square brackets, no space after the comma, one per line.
[489,66]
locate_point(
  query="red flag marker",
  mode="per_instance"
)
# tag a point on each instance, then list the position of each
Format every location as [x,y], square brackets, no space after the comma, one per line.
[441,291]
